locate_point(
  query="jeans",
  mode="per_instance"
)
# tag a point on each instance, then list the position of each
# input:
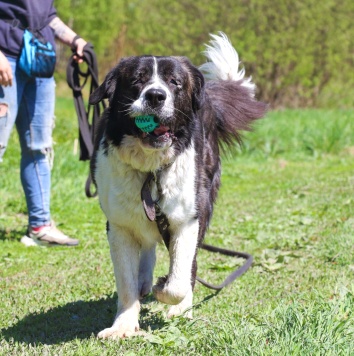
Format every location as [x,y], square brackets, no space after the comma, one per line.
[29,103]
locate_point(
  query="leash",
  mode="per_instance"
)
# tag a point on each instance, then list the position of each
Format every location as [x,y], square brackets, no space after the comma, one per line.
[235,274]
[154,213]
[89,115]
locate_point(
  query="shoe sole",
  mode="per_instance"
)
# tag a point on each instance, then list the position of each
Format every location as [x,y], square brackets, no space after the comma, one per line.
[27,241]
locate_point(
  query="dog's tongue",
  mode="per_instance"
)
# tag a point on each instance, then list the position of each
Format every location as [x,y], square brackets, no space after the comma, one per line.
[161,130]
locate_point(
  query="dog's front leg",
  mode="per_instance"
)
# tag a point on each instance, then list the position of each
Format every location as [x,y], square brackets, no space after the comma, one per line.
[125,257]
[176,289]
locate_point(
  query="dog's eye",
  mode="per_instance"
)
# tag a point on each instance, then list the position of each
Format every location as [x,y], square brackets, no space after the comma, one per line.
[136,81]
[138,78]
[175,82]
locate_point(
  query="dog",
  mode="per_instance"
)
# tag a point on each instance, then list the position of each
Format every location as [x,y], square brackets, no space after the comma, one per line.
[169,173]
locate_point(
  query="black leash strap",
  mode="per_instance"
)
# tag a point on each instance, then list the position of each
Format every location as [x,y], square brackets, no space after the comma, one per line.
[235,274]
[87,115]
[154,213]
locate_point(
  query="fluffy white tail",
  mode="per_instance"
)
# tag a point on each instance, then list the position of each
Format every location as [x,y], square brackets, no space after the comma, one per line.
[224,62]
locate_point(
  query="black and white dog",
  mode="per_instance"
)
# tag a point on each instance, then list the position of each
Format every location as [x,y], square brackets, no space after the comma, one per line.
[193,114]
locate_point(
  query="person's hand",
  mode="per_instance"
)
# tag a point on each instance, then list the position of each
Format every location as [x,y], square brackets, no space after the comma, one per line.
[5,71]
[80,43]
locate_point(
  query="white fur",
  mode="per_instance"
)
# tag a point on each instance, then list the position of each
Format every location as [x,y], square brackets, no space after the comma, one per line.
[132,237]
[184,307]
[178,189]
[182,249]
[224,62]
[125,257]
[180,206]
[141,157]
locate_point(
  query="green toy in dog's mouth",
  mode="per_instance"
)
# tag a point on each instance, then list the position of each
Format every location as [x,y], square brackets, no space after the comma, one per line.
[147,123]
[153,133]
[150,126]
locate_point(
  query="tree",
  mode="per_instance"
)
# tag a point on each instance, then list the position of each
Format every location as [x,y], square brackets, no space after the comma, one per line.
[299,53]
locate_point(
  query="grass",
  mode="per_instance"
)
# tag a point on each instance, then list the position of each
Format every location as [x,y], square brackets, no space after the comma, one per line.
[286,197]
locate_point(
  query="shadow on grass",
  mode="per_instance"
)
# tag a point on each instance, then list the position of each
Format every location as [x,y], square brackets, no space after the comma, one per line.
[77,320]
[64,323]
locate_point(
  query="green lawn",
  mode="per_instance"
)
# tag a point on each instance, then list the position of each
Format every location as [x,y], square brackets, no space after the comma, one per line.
[287,198]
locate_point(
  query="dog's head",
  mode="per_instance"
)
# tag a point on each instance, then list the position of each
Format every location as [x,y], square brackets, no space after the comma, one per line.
[169,89]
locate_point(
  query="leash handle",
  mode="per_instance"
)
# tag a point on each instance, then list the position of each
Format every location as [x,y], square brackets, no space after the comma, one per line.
[237,273]
[87,117]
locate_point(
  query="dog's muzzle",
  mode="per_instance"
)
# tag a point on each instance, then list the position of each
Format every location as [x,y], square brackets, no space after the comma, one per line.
[158,103]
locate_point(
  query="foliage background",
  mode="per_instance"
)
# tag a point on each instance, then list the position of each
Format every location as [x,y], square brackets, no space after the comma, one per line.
[300,53]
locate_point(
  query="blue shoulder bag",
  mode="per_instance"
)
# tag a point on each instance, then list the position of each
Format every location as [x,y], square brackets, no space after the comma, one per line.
[37,58]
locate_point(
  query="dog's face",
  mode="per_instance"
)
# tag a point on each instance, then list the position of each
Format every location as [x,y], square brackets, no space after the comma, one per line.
[169,88]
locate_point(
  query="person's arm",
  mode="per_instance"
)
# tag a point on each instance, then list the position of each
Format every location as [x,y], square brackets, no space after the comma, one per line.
[66,35]
[5,71]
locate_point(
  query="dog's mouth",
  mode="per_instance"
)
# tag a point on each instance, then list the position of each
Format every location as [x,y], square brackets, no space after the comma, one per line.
[160,137]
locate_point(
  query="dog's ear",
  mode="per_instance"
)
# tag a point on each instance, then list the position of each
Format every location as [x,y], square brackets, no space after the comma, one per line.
[198,89]
[105,90]
[197,83]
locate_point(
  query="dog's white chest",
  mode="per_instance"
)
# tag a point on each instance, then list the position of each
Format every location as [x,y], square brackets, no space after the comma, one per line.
[179,190]
[119,187]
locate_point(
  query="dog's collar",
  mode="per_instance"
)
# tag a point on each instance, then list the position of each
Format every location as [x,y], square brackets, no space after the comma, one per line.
[149,204]
[151,207]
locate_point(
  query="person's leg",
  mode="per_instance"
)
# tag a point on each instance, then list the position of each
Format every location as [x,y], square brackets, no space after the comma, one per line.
[9,98]
[35,122]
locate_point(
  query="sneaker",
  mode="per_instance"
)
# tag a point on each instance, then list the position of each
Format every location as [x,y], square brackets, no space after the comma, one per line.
[47,236]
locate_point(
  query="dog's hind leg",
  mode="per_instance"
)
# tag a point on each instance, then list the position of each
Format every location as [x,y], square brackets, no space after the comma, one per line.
[176,288]
[125,257]
[146,269]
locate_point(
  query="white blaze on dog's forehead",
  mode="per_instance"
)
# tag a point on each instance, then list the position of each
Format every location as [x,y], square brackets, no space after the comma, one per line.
[157,82]
[155,76]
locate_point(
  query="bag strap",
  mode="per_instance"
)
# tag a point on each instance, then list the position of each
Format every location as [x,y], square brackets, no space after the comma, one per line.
[88,116]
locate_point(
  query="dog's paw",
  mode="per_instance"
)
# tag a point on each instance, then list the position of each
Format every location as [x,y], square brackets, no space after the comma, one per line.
[144,289]
[184,308]
[177,310]
[145,286]
[126,324]
[120,331]
[169,293]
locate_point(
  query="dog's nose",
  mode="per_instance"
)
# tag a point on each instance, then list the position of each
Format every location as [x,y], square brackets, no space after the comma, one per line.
[155,97]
